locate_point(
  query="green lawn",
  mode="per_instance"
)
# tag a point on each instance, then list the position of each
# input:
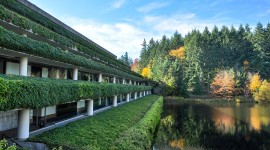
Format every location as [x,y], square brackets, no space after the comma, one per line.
[100,131]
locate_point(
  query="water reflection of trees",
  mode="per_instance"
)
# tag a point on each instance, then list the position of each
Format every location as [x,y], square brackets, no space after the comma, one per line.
[184,127]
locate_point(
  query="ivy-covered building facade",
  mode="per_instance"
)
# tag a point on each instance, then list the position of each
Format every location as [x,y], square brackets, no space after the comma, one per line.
[50,72]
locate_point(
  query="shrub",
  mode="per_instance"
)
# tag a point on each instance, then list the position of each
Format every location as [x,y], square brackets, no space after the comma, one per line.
[29,92]
[140,136]
[103,130]
[4,145]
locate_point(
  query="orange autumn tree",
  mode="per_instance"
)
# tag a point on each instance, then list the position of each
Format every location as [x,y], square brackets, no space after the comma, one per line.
[178,53]
[223,84]
[135,65]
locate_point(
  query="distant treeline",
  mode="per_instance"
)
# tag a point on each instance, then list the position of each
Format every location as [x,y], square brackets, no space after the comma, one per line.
[193,61]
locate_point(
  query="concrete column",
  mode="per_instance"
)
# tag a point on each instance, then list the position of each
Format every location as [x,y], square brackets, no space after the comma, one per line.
[99,101]
[135,97]
[127,98]
[75,73]
[123,82]
[130,82]
[65,74]
[106,102]
[114,100]
[57,74]
[134,82]
[23,66]
[144,93]
[45,73]
[23,124]
[100,77]
[90,107]
[24,119]
[114,79]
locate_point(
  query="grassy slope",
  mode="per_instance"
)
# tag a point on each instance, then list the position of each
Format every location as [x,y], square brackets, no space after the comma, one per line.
[100,131]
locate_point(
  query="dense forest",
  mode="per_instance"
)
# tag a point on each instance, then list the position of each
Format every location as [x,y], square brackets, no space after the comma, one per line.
[223,61]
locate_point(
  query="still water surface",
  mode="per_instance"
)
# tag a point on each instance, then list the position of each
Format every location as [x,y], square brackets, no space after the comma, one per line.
[214,125]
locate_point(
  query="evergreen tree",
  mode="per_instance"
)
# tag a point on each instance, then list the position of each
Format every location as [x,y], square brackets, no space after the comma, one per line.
[125,59]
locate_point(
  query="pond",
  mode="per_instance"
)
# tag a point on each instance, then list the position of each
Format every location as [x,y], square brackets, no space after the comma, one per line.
[213,125]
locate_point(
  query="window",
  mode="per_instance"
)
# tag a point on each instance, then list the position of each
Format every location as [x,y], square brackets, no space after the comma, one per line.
[36,71]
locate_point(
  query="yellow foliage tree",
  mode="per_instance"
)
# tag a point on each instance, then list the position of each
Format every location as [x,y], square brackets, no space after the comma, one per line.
[178,53]
[263,94]
[255,83]
[260,90]
[146,72]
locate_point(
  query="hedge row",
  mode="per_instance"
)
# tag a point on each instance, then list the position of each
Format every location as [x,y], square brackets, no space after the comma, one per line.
[141,135]
[19,43]
[28,92]
[27,24]
[99,131]
[32,15]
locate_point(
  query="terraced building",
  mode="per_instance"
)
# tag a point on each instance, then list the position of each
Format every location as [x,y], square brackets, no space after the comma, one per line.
[50,72]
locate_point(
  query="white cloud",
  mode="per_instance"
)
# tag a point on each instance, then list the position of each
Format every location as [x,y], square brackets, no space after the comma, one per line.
[118,3]
[126,36]
[183,23]
[154,5]
[118,38]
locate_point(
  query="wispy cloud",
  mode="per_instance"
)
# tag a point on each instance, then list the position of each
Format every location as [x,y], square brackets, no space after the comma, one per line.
[118,3]
[154,5]
[125,36]
[118,38]
[183,23]
[264,14]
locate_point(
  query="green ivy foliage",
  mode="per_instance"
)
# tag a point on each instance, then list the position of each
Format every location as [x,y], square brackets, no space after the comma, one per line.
[101,130]
[141,135]
[27,24]
[28,92]
[80,43]
[19,43]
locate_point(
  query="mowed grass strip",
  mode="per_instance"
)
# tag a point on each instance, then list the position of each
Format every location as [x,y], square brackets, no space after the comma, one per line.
[99,131]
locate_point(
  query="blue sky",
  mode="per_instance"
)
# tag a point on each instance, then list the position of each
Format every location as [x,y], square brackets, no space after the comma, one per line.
[121,25]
